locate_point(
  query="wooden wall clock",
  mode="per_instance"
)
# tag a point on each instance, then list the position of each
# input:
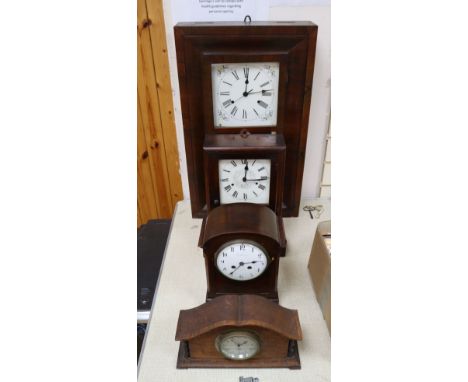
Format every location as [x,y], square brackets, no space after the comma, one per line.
[245,331]
[256,76]
[242,244]
[244,169]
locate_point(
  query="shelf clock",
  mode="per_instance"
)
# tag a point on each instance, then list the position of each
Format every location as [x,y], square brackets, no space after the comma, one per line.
[255,77]
[243,331]
[242,244]
[244,169]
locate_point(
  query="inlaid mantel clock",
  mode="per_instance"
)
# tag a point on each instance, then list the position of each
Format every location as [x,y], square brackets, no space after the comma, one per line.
[255,77]
[238,331]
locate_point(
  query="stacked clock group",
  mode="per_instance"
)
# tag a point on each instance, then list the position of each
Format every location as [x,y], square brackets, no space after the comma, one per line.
[241,131]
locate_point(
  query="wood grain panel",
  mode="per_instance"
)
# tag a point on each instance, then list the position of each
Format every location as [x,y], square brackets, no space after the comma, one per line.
[163,83]
[159,184]
[147,200]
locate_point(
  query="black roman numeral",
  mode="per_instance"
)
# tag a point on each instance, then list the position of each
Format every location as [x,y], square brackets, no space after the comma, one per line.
[257,75]
[253,162]
[227,83]
[234,73]
[244,161]
[234,110]
[255,112]
[244,114]
[266,93]
[226,170]
[234,163]
[227,188]
[235,194]
[227,103]
[262,104]
[255,193]
[225,93]
[261,187]
[225,180]
[264,84]
[246,72]
[245,196]
[261,168]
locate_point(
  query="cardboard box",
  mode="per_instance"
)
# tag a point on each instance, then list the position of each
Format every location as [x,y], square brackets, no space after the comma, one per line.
[320,269]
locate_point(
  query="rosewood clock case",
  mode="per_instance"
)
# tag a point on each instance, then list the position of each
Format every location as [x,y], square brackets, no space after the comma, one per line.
[292,45]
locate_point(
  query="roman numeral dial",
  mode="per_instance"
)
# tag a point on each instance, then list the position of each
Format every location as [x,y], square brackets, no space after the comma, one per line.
[244,180]
[245,94]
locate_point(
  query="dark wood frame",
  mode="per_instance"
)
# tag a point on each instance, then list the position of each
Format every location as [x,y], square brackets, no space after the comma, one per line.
[278,329]
[290,43]
[234,146]
[251,222]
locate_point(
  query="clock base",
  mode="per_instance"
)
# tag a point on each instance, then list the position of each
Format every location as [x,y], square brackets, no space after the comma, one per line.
[291,361]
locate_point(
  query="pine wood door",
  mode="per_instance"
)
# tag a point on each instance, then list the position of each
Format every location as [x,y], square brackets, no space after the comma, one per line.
[159,183]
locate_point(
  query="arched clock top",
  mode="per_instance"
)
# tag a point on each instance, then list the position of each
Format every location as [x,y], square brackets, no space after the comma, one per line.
[238,311]
[242,219]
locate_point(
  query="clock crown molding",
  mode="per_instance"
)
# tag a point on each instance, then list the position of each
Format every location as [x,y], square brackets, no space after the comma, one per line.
[252,25]
[238,311]
[242,219]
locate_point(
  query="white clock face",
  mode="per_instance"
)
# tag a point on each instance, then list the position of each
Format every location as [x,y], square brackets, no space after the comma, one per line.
[245,94]
[241,260]
[244,180]
[238,345]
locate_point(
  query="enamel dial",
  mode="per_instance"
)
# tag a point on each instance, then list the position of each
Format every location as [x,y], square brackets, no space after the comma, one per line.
[238,345]
[244,181]
[245,94]
[242,260]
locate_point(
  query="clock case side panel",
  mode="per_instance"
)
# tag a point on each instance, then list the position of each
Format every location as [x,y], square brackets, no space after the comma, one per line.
[192,40]
[213,154]
[187,68]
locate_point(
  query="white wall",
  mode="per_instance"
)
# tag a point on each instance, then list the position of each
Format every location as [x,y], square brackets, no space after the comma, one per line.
[320,107]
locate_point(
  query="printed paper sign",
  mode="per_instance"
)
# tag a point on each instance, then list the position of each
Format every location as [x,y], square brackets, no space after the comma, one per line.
[219,10]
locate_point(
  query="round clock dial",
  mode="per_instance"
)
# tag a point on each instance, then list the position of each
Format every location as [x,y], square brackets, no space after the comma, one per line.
[242,260]
[245,94]
[244,180]
[238,345]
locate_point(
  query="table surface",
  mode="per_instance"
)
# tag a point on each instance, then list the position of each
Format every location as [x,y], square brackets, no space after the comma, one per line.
[182,285]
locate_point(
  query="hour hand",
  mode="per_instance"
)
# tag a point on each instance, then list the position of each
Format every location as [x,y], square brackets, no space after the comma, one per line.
[257,180]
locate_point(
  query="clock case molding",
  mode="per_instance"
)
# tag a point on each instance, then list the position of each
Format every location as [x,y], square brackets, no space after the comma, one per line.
[242,221]
[199,45]
[278,329]
[235,146]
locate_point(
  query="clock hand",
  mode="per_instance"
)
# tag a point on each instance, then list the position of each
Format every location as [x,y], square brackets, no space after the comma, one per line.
[245,94]
[262,91]
[255,180]
[246,168]
[241,264]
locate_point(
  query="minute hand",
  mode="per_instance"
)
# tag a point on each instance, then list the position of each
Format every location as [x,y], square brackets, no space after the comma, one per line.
[262,91]
[256,180]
